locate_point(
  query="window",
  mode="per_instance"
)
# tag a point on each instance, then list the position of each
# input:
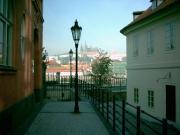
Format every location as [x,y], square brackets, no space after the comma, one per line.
[169,36]
[150,98]
[150,45]
[5,31]
[1,42]
[135,46]
[136,95]
[1,6]
[22,38]
[154,4]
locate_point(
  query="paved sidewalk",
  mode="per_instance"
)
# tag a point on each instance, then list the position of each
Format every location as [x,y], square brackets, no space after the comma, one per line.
[57,118]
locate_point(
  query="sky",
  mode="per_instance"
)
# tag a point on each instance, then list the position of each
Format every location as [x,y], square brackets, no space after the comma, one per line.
[101,22]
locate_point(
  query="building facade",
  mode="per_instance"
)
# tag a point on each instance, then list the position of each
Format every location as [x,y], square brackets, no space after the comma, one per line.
[20,60]
[119,68]
[153,60]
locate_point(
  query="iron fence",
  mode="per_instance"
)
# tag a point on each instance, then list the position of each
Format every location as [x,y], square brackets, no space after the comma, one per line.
[62,87]
[125,118]
[58,88]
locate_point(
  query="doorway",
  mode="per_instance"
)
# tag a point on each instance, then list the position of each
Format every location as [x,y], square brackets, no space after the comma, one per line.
[170,102]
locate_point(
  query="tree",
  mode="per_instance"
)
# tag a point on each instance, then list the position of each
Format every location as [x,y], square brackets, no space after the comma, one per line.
[44,58]
[44,67]
[101,67]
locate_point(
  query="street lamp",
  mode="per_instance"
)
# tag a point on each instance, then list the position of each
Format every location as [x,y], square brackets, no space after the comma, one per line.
[76,33]
[70,62]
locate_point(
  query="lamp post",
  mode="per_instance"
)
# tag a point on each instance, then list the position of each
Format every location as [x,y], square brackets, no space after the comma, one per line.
[76,33]
[70,62]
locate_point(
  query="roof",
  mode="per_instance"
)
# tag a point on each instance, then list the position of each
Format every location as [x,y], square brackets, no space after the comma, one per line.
[149,12]
[66,68]
[52,62]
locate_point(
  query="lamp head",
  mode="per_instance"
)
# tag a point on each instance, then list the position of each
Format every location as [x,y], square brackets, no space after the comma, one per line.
[70,53]
[76,32]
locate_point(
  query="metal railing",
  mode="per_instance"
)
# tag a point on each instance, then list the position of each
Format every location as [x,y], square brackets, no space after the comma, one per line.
[126,118]
[58,88]
[61,87]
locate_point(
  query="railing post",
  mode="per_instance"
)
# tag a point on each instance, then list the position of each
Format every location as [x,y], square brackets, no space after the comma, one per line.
[120,84]
[138,120]
[82,84]
[93,95]
[96,96]
[87,87]
[123,117]
[99,100]
[92,89]
[88,90]
[114,114]
[107,106]
[164,126]
[103,102]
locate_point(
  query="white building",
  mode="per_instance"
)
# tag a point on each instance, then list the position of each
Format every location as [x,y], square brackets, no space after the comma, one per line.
[153,60]
[55,58]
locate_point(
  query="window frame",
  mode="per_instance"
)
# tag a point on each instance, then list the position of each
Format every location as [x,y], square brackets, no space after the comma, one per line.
[22,38]
[154,4]
[135,46]
[150,98]
[169,36]
[136,95]
[6,19]
[150,42]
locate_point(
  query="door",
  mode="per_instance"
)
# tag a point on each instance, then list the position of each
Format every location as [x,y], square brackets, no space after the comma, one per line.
[170,102]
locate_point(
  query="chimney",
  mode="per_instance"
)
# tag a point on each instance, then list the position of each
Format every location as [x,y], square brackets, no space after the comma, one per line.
[136,14]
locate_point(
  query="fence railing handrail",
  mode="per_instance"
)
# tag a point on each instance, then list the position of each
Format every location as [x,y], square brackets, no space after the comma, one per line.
[151,116]
[131,105]
[112,112]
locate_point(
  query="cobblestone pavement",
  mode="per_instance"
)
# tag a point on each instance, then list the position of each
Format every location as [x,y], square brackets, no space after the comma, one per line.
[57,118]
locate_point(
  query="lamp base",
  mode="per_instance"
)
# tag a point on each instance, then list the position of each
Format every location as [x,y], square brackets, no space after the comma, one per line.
[76,109]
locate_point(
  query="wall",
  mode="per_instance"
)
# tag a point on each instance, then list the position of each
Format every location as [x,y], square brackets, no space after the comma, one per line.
[161,56]
[146,80]
[17,82]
